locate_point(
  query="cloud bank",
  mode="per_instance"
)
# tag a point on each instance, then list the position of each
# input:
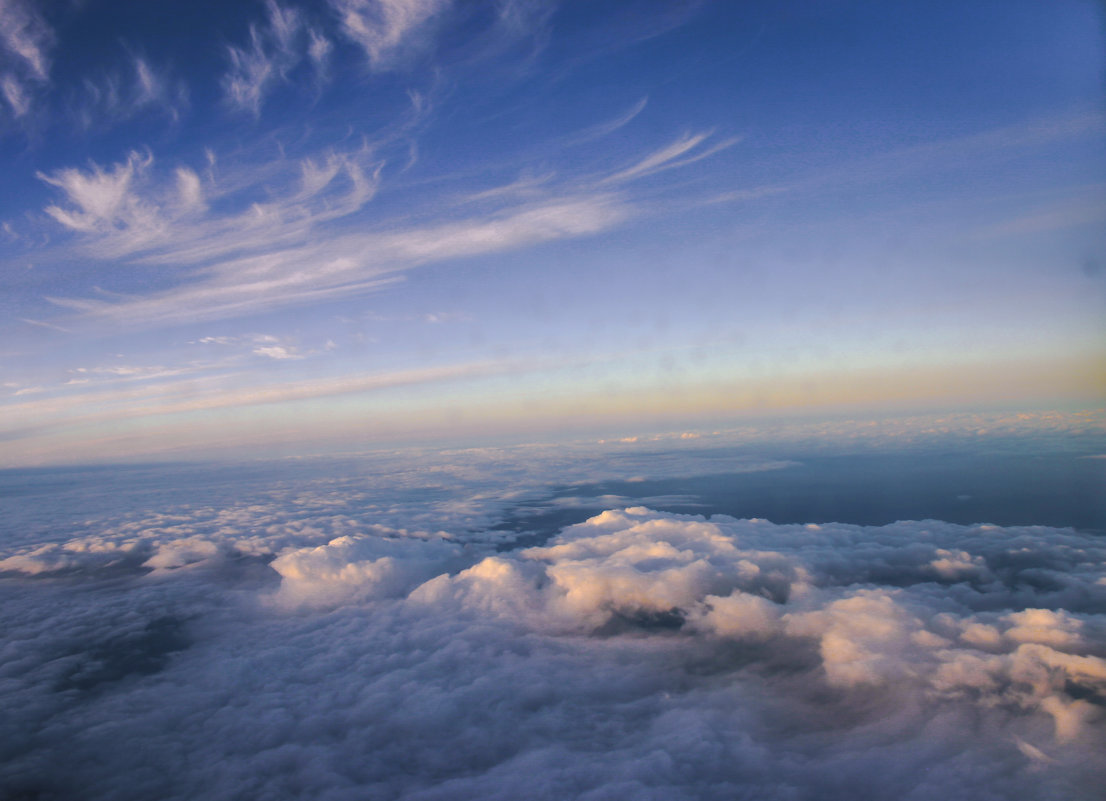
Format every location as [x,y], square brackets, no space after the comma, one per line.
[320,642]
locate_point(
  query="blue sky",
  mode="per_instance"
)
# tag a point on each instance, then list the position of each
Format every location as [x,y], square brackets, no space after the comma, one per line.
[324,225]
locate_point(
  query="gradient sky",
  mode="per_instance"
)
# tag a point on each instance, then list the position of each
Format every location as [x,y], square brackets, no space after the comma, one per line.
[296,225]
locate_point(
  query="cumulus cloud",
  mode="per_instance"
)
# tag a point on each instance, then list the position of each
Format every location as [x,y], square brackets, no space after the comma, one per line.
[363,567]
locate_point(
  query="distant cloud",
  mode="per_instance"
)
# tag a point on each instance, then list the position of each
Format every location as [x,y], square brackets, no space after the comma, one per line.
[41,324]
[278,352]
[123,392]
[216,340]
[133,372]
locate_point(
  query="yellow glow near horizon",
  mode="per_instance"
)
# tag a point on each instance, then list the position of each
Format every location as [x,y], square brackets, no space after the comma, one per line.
[511,405]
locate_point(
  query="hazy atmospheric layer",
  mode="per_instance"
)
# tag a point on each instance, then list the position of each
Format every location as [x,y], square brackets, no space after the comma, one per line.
[369,629]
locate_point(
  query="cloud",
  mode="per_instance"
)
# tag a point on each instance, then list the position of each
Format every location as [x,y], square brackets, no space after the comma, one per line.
[25,41]
[129,210]
[387,29]
[258,236]
[267,255]
[104,201]
[124,94]
[278,352]
[42,324]
[274,51]
[1070,213]
[15,95]
[610,126]
[216,340]
[217,389]
[350,569]
[132,372]
[671,156]
[324,633]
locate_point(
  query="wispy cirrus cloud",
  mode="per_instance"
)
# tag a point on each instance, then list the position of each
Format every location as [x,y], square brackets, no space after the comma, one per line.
[275,49]
[610,126]
[311,239]
[103,200]
[87,402]
[352,262]
[1082,206]
[387,29]
[25,42]
[676,154]
[129,210]
[123,94]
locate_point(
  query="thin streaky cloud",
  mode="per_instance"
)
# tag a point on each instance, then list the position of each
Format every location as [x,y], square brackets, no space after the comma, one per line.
[1005,143]
[603,129]
[269,254]
[1069,214]
[525,185]
[42,324]
[353,263]
[664,158]
[191,396]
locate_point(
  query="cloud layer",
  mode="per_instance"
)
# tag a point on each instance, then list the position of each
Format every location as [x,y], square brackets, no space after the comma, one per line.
[315,639]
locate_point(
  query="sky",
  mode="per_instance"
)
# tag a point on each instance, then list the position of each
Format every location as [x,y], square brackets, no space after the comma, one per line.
[277,227]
